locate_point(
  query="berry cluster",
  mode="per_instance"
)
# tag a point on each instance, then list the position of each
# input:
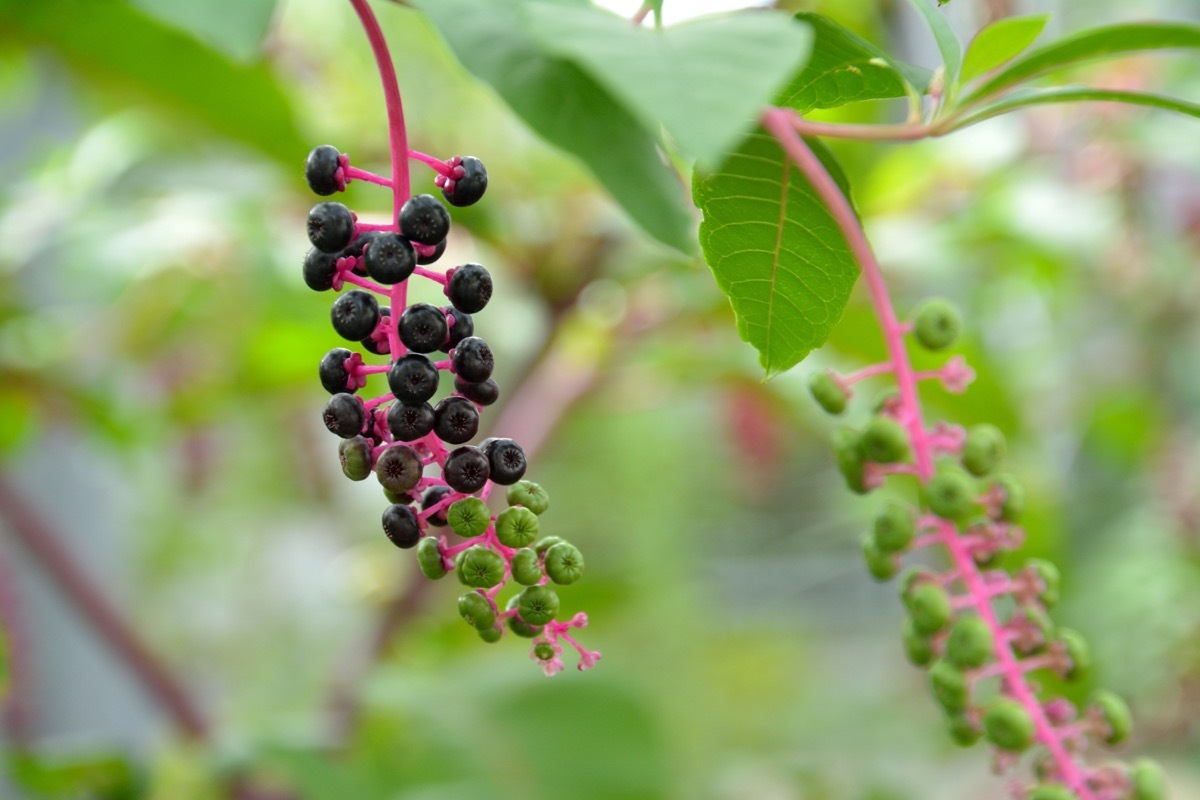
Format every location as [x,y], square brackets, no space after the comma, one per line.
[417,446]
[983,633]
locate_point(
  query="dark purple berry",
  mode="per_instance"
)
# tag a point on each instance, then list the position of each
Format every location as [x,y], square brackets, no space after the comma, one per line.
[456,420]
[390,258]
[424,219]
[400,526]
[471,186]
[320,170]
[466,469]
[472,360]
[413,379]
[319,270]
[433,496]
[410,422]
[354,315]
[356,249]
[330,226]
[423,328]
[470,288]
[506,460]
[438,250]
[382,347]
[344,415]
[398,468]
[333,372]
[484,393]
[464,326]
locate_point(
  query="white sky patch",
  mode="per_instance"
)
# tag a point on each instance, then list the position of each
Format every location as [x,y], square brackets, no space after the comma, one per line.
[679,10]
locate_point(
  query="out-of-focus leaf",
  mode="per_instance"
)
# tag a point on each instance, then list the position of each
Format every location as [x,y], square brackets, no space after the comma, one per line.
[1023,98]
[235,27]
[103,777]
[775,250]
[1000,42]
[947,43]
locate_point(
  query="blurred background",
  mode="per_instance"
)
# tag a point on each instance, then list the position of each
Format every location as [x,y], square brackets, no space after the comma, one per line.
[159,418]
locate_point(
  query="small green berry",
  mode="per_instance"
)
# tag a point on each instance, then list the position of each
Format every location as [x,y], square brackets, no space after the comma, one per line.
[517,625]
[828,393]
[524,566]
[917,646]
[884,441]
[490,635]
[480,567]
[1008,726]
[1078,652]
[1052,791]
[355,456]
[544,651]
[970,643]
[881,564]
[983,450]
[545,543]
[469,517]
[1148,782]
[1049,576]
[516,526]
[477,610]
[1116,716]
[530,495]
[950,494]
[962,731]
[1013,504]
[397,498]
[894,528]
[937,325]
[929,605]
[429,559]
[564,563]
[850,461]
[949,686]
[537,605]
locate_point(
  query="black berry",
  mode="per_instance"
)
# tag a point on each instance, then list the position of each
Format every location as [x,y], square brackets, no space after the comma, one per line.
[506,460]
[381,347]
[470,288]
[484,393]
[354,315]
[398,468]
[410,422]
[464,326]
[413,379]
[438,250]
[432,497]
[400,526]
[456,420]
[330,226]
[424,219]
[344,415]
[333,372]
[471,186]
[319,270]
[423,328]
[320,170]
[356,248]
[390,258]
[466,469]
[472,360]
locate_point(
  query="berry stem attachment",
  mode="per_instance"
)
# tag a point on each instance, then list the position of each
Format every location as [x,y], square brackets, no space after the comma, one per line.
[439,166]
[362,175]
[882,368]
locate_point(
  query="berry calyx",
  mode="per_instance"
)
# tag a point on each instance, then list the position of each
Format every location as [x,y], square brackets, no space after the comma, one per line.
[432,497]
[470,288]
[330,226]
[320,169]
[460,326]
[937,324]
[424,219]
[469,187]
[429,258]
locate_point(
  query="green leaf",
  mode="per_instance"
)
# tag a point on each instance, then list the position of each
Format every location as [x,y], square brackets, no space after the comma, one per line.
[845,68]
[568,108]
[947,43]
[1000,42]
[705,81]
[235,27]
[775,250]
[1023,98]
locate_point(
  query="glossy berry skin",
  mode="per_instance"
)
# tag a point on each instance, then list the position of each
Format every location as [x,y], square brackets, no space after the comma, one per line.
[390,258]
[409,422]
[398,468]
[537,605]
[413,379]
[332,371]
[476,610]
[484,393]
[525,569]
[472,360]
[319,270]
[344,415]
[355,456]
[382,347]
[466,469]
[429,558]
[471,186]
[468,517]
[424,219]
[470,288]
[506,461]
[354,315]
[480,567]
[516,527]
[432,497]
[330,226]
[320,169]
[564,563]
[463,326]
[400,526]
[439,250]
[530,495]
[423,328]
[456,420]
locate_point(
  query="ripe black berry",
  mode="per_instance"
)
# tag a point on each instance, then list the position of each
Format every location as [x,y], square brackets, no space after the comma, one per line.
[390,258]
[506,460]
[471,186]
[398,468]
[456,420]
[423,328]
[464,326]
[381,347]
[424,219]
[354,315]
[333,372]
[470,288]
[472,360]
[410,422]
[438,250]
[413,379]
[344,415]
[484,393]
[319,270]
[466,469]
[330,226]
[433,496]
[320,170]
[400,526]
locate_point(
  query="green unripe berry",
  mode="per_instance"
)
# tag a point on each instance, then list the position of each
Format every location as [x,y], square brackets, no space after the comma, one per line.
[1116,716]
[524,566]
[355,455]
[849,456]
[1008,726]
[1078,652]
[429,559]
[949,686]
[894,528]
[1147,780]
[970,643]
[537,605]
[962,732]
[1052,791]
[480,567]
[490,635]
[983,450]
[468,517]
[397,498]
[937,325]
[1049,575]
[917,646]
[477,610]
[530,495]
[950,494]
[516,526]
[828,393]
[545,543]
[1013,504]
[884,441]
[929,606]
[519,626]
[544,651]
[881,564]
[564,563]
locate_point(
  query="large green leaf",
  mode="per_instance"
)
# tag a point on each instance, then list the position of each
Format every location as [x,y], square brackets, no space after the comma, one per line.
[947,43]
[1000,42]
[845,68]
[775,250]
[705,81]
[1022,98]
[494,39]
[235,27]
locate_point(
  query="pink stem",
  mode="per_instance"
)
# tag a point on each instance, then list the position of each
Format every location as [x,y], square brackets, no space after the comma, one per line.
[371,177]
[441,167]
[881,368]
[427,273]
[358,280]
